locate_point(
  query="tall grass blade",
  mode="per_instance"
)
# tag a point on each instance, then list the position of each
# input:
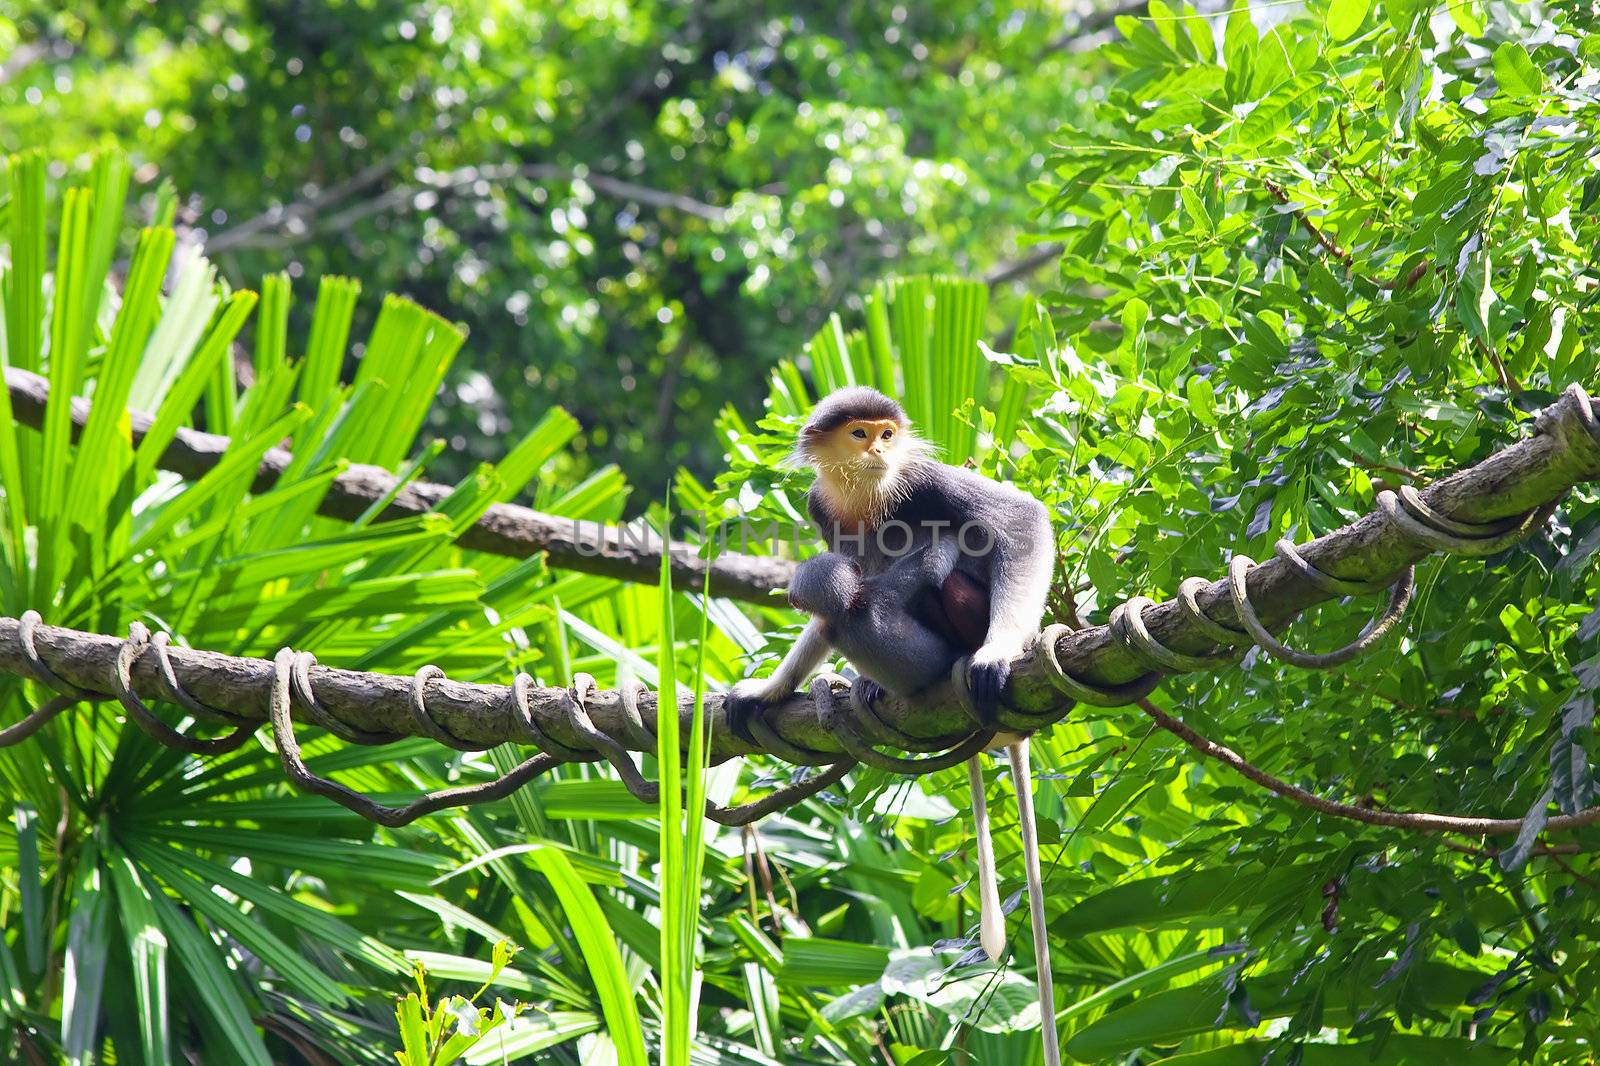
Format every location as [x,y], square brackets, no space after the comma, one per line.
[674,976]
[330,333]
[148,947]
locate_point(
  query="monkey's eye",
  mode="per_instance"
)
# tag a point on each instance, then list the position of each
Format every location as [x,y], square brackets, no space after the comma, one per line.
[888,434]
[859,434]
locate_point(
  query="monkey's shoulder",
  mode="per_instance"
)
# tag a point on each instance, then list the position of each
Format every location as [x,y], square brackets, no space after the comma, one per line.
[940,492]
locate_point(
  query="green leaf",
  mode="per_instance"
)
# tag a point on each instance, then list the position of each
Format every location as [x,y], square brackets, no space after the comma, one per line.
[34,934]
[1345,17]
[1147,980]
[1515,72]
[1468,17]
[600,954]
[1214,897]
[830,963]
[1169,1016]
[525,1037]
[251,933]
[413,1034]
[1274,112]
[289,912]
[147,945]
[1400,1048]
[84,968]
[216,985]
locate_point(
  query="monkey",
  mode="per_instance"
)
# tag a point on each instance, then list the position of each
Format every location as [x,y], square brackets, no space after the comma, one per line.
[870,622]
[945,561]
[879,495]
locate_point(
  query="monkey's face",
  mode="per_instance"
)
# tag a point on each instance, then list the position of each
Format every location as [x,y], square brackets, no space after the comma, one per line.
[868,447]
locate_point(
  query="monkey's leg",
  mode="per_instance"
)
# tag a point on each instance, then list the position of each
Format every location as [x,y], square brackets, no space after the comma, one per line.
[1022,776]
[991,923]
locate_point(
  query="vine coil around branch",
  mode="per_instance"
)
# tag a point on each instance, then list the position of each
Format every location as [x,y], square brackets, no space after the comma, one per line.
[841,723]
[557,753]
[291,685]
[860,728]
[291,682]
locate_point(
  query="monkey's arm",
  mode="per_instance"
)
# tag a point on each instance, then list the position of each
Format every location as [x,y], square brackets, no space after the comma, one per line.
[751,695]
[925,568]
[1019,586]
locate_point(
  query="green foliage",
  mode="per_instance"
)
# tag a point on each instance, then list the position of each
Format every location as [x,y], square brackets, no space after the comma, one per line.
[1304,260]
[683,837]
[160,906]
[637,208]
[437,1034]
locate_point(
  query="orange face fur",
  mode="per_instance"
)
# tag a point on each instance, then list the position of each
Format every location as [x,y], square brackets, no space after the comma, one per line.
[865,444]
[858,467]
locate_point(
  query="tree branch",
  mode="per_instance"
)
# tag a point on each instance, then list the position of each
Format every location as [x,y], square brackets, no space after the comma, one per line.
[505,529]
[1022,266]
[21,58]
[1563,452]
[1094,28]
[1328,244]
[282,226]
[295,214]
[1414,820]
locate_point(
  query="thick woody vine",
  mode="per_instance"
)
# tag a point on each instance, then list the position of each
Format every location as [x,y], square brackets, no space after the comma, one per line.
[828,732]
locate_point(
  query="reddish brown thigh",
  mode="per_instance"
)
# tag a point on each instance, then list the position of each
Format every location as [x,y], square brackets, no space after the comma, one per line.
[966,605]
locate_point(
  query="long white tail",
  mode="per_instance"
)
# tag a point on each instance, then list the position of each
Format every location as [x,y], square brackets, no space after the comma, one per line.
[1022,777]
[991,923]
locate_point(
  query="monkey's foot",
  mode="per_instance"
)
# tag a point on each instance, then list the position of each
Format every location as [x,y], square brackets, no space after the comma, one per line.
[866,692]
[738,710]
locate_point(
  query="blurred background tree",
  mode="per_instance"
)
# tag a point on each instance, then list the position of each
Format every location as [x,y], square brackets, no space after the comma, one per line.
[637,209]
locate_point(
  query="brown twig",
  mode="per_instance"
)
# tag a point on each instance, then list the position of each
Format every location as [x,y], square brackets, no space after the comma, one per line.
[1022,266]
[1418,821]
[1409,278]
[1405,472]
[1333,248]
[764,869]
[1330,245]
[1539,850]
[1556,858]
[1507,382]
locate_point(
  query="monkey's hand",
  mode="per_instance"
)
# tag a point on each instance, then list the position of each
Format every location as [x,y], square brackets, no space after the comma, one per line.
[988,673]
[744,701]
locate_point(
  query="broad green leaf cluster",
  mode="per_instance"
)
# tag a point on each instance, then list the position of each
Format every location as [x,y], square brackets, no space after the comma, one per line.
[159,906]
[1307,255]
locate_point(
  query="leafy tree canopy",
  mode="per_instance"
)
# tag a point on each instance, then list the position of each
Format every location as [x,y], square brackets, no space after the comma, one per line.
[636,209]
